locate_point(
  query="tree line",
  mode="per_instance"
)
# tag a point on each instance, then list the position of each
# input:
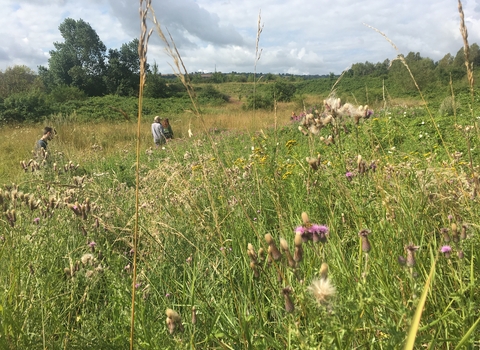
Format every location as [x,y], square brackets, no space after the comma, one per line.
[80,67]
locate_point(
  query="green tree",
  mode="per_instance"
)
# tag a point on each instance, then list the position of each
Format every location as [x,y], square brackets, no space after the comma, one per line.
[18,79]
[79,61]
[123,70]
[155,85]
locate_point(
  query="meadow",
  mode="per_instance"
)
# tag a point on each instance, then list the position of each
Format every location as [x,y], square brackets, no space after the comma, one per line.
[350,227]
[219,213]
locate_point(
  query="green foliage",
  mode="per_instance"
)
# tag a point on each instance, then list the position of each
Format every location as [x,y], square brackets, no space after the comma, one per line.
[122,76]
[19,107]
[202,203]
[208,94]
[78,61]
[18,79]
[258,101]
[62,94]
[283,91]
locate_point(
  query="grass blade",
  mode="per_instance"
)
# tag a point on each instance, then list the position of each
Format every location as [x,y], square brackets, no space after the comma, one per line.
[412,333]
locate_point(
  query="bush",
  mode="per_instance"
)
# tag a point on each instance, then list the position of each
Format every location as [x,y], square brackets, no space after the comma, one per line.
[31,106]
[211,95]
[448,106]
[258,102]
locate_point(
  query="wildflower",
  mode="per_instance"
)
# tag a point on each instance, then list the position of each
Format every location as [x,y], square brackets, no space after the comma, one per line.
[289,306]
[446,250]
[365,243]
[167,295]
[319,232]
[300,230]
[36,221]
[322,290]
[92,245]
[349,175]
[411,249]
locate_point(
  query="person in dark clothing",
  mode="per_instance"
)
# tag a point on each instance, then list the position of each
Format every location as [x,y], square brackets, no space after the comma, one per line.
[41,145]
[167,129]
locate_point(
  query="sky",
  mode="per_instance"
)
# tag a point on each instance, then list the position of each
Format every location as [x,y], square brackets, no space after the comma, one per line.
[297,36]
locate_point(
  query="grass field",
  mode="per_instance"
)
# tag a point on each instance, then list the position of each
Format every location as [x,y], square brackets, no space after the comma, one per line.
[211,208]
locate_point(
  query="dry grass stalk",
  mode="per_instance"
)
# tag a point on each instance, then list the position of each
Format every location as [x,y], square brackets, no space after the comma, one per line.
[142,53]
[466,48]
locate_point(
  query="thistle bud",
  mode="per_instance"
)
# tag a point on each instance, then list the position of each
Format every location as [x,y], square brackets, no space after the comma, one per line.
[286,250]
[305,218]
[411,249]
[463,232]
[445,234]
[298,253]
[289,306]
[455,237]
[254,268]
[324,271]
[251,253]
[272,248]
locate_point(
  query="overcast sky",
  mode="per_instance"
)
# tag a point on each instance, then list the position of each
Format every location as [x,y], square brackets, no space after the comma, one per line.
[298,37]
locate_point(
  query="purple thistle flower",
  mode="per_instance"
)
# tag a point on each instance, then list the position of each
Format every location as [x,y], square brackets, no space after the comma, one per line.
[319,233]
[319,229]
[349,175]
[446,249]
[137,285]
[92,245]
[36,221]
[300,230]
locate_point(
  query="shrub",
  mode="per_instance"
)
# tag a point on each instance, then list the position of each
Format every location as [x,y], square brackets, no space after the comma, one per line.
[258,102]
[448,106]
[31,106]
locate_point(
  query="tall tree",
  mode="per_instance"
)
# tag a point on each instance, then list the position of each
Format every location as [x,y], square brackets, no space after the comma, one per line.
[123,71]
[18,79]
[79,61]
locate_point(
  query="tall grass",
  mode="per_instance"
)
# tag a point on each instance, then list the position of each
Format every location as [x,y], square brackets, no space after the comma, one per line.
[207,212]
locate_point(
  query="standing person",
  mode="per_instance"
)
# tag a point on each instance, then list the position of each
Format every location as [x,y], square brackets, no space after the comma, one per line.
[167,129]
[157,132]
[41,145]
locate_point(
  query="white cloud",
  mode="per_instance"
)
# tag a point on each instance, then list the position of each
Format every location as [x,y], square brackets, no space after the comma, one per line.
[299,36]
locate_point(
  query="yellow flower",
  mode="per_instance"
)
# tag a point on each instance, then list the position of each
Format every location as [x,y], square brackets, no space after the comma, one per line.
[290,143]
[286,175]
[196,167]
